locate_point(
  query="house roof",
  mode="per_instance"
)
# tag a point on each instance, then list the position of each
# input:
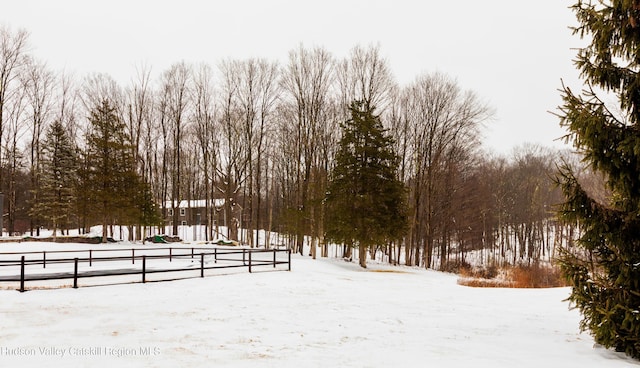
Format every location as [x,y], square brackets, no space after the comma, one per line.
[196,203]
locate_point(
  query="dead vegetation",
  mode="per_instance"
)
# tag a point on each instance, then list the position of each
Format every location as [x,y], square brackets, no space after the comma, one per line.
[521,276]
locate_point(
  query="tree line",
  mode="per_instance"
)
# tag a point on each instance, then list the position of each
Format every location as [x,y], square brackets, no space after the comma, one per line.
[264,136]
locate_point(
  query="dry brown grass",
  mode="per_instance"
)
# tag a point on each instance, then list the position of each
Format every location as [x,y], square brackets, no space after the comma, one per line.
[484,283]
[388,271]
[535,276]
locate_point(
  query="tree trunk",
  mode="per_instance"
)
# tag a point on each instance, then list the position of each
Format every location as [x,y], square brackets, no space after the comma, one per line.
[269,200]
[362,254]
[313,244]
[347,252]
[104,230]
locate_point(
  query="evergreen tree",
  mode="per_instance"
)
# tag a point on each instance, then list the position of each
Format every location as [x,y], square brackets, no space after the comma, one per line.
[365,199]
[112,184]
[147,211]
[56,199]
[606,274]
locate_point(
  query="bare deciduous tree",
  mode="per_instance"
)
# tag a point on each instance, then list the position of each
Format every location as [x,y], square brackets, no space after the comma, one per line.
[67,103]
[307,82]
[232,164]
[205,128]
[445,122]
[138,121]
[38,84]
[99,87]
[268,94]
[365,76]
[175,103]
[15,132]
[13,47]
[256,96]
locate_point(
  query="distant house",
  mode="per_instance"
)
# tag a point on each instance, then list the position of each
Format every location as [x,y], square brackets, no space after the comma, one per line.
[192,212]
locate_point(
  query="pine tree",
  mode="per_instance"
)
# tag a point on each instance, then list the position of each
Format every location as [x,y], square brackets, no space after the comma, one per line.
[147,212]
[365,199]
[605,275]
[56,199]
[115,189]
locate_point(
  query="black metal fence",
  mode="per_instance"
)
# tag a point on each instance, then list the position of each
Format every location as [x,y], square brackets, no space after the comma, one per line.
[23,267]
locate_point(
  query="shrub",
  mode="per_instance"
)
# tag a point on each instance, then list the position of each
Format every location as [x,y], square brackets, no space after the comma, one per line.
[458,267]
[536,276]
[533,276]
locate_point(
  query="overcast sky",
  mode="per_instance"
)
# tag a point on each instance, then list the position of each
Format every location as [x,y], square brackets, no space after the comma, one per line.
[513,54]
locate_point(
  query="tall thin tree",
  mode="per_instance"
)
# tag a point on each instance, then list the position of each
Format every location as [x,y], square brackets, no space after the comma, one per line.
[13,47]
[306,82]
[175,84]
[38,84]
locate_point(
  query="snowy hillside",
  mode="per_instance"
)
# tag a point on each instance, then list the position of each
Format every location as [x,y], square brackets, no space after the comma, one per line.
[324,313]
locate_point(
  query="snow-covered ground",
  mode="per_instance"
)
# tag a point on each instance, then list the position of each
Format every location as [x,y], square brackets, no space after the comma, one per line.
[324,313]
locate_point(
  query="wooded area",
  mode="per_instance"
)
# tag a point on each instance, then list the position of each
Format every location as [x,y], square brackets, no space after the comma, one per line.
[263,136]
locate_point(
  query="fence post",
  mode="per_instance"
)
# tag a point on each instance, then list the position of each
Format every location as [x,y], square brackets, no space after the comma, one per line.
[215,255]
[75,273]
[144,268]
[250,261]
[170,254]
[244,261]
[44,259]
[201,264]
[289,251]
[22,274]
[90,257]
[274,258]
[191,253]
[133,256]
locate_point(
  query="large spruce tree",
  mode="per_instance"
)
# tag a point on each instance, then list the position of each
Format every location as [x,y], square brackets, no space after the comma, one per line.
[605,273]
[111,185]
[58,179]
[365,199]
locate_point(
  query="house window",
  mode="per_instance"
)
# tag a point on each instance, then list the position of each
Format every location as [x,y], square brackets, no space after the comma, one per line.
[183,212]
[170,212]
[184,223]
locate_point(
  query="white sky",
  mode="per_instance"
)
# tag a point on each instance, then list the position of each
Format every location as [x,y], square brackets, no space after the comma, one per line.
[511,53]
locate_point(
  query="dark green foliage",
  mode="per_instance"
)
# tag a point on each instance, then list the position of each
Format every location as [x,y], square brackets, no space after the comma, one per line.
[605,274]
[58,179]
[365,199]
[147,210]
[111,185]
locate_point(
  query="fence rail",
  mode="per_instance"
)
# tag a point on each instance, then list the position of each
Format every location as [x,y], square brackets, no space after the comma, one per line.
[208,259]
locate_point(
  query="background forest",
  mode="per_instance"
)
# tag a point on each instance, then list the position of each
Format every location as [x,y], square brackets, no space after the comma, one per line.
[77,151]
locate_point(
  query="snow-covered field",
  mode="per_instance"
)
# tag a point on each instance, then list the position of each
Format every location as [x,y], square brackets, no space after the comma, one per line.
[324,313]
